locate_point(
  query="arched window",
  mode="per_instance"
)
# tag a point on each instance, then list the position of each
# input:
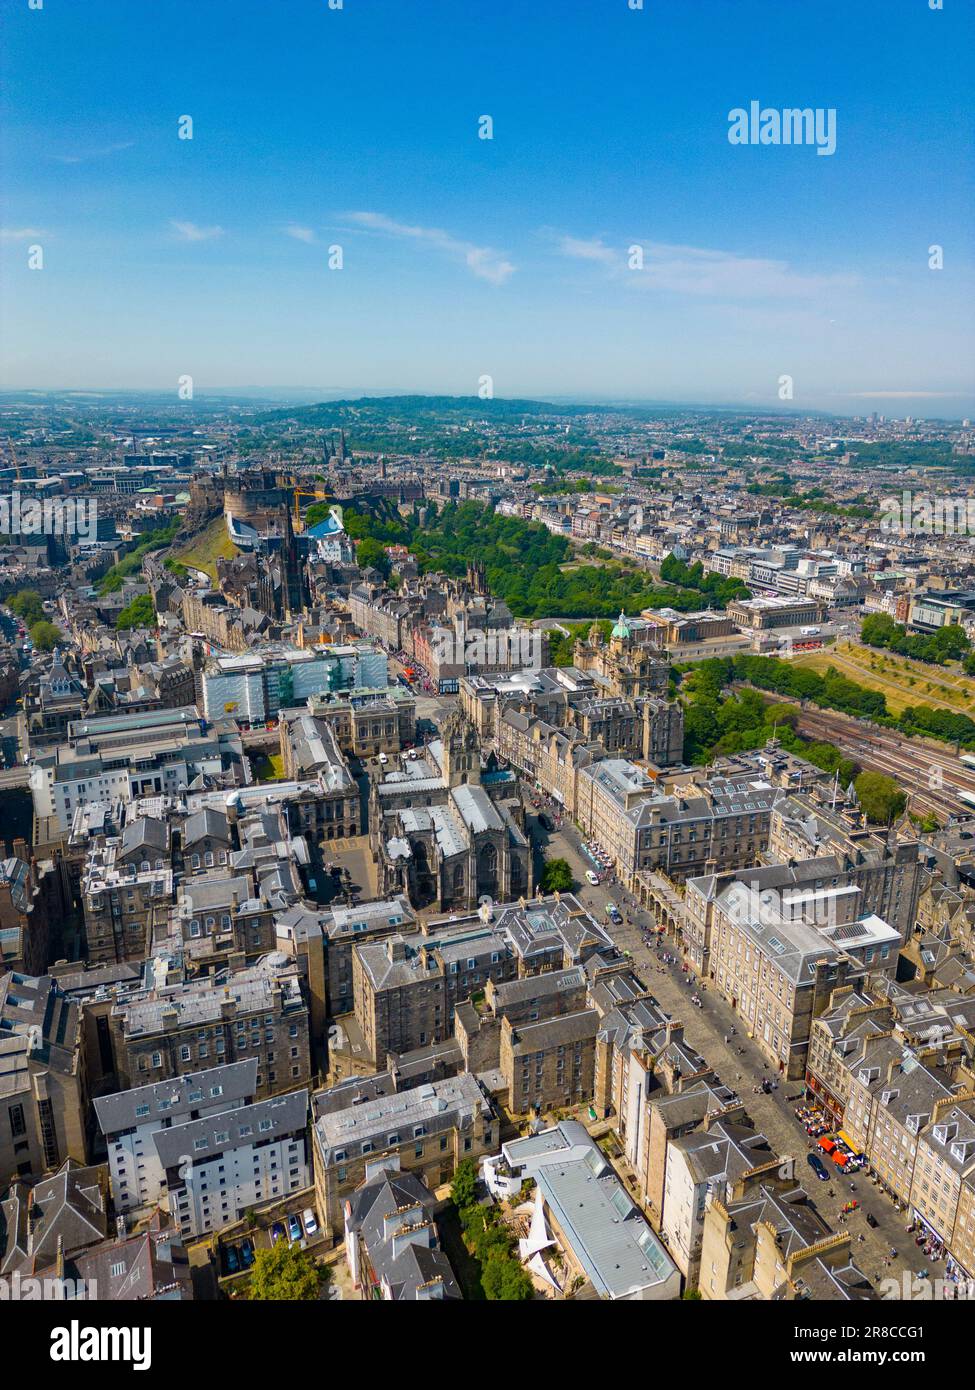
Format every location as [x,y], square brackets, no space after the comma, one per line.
[487,870]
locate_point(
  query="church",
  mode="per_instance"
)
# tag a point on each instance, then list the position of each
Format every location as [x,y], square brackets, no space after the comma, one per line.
[443,836]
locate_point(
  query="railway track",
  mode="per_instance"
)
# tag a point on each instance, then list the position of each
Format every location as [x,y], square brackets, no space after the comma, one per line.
[917,766]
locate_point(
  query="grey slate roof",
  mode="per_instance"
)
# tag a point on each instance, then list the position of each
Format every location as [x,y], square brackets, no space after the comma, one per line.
[177,1098]
[202,1139]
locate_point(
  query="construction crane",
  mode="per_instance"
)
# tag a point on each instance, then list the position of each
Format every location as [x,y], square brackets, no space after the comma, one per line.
[319,493]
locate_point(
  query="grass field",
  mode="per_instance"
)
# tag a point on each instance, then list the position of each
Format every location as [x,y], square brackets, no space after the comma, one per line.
[207,548]
[900,681]
[267,767]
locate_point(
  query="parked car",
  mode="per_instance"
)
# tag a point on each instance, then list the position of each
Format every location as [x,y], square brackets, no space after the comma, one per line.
[872,1220]
[277,1232]
[247,1252]
[592,878]
[233,1260]
[294,1227]
[817,1166]
[311,1224]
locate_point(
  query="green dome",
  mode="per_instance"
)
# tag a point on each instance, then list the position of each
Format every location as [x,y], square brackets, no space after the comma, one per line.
[621,629]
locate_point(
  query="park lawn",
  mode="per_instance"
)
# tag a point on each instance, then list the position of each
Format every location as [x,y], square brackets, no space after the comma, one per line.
[941,687]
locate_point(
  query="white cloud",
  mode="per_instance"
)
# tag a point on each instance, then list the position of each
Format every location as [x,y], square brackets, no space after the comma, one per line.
[189,231]
[694,270]
[592,250]
[482,261]
[85,155]
[300,233]
[20,233]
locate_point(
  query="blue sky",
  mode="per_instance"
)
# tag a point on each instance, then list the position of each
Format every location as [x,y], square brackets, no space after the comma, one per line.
[466,257]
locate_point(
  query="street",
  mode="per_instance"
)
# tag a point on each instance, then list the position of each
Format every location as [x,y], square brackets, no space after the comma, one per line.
[740,1065]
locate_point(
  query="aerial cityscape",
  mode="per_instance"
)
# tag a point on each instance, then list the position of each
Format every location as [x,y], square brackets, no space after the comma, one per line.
[487,679]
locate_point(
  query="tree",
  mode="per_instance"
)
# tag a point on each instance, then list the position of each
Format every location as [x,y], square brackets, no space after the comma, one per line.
[505,1280]
[141,612]
[372,553]
[881,799]
[28,606]
[285,1274]
[556,876]
[463,1189]
[45,636]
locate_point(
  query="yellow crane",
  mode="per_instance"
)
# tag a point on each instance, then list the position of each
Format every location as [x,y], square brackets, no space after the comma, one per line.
[319,493]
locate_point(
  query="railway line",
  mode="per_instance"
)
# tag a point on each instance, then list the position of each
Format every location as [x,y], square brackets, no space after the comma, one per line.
[917,766]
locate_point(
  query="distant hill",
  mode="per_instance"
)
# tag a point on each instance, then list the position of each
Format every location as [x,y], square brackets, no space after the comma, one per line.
[336,413]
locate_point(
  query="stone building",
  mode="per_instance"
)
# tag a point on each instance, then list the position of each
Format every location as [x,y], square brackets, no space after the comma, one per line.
[429,1129]
[549,1063]
[629,664]
[43,1078]
[260,1011]
[440,838]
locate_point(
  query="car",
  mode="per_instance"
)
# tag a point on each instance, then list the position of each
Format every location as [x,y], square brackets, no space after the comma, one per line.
[233,1259]
[592,878]
[383,760]
[817,1166]
[614,915]
[277,1232]
[545,821]
[247,1252]
[310,1222]
[872,1220]
[294,1227]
